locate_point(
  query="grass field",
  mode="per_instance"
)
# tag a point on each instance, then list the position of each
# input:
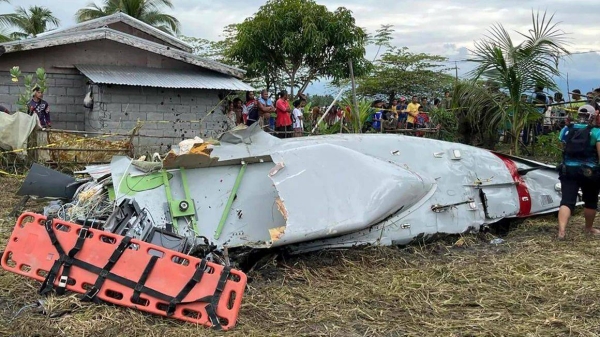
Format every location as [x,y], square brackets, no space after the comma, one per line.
[532,285]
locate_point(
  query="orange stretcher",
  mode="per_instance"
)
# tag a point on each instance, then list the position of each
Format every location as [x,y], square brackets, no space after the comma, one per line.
[124,271]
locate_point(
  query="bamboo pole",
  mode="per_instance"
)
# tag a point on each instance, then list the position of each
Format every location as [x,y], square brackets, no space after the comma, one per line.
[354,101]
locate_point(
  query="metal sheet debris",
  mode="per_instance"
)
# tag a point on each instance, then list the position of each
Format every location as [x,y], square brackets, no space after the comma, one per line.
[249,190]
[47,183]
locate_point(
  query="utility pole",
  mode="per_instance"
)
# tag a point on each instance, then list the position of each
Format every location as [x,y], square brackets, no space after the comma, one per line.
[456,70]
[357,113]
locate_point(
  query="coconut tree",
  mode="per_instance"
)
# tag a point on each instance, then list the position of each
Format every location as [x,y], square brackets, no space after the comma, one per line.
[29,22]
[148,11]
[519,68]
[479,109]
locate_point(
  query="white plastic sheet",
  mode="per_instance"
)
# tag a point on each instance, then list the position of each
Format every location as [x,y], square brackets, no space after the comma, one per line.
[15,129]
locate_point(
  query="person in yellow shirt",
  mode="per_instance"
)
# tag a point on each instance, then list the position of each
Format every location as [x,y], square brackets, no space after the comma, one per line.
[576,102]
[413,111]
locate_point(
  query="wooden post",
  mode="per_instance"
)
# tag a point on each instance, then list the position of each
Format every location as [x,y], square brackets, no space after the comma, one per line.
[357,114]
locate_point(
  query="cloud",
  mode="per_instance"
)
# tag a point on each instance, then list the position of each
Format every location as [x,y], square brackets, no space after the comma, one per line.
[442,27]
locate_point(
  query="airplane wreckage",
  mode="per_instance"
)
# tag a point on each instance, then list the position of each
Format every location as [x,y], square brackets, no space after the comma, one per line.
[209,203]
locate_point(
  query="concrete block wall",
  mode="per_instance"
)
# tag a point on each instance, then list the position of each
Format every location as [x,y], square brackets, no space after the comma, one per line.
[65,96]
[168,115]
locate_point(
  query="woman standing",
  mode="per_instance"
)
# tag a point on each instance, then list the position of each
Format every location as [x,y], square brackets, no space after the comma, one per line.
[251,112]
[231,116]
[283,122]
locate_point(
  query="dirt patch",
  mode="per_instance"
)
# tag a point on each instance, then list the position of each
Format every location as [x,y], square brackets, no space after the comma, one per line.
[531,285]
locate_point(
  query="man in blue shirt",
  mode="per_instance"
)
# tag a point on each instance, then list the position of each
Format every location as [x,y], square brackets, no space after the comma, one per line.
[266,108]
[402,116]
[580,169]
[377,116]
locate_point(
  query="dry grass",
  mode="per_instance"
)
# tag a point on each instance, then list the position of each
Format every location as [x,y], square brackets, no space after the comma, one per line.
[532,285]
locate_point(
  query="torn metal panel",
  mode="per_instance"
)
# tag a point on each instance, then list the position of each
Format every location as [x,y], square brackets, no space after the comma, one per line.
[96,171]
[336,190]
[198,156]
[201,156]
[252,213]
[328,190]
[246,143]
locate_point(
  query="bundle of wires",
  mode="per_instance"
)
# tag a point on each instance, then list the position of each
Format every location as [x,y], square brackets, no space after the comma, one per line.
[90,201]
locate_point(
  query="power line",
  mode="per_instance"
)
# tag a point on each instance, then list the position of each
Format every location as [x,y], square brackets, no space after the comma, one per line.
[564,55]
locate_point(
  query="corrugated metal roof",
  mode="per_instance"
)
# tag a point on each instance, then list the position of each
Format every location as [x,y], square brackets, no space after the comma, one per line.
[161,78]
[120,17]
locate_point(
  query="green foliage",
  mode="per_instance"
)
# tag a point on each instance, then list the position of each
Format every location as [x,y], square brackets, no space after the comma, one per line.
[28,22]
[479,110]
[29,82]
[519,68]
[402,72]
[294,42]
[549,148]
[382,38]
[447,122]
[364,111]
[205,48]
[148,11]
[320,100]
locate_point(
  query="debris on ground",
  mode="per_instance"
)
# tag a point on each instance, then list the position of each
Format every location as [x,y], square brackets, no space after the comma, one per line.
[206,206]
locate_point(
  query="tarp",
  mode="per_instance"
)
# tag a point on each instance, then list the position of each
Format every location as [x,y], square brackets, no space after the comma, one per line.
[15,129]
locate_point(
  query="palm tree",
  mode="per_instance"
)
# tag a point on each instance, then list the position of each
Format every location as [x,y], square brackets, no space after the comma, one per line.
[148,11]
[519,68]
[29,22]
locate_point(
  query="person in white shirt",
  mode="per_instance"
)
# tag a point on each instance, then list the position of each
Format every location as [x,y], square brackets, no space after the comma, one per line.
[297,117]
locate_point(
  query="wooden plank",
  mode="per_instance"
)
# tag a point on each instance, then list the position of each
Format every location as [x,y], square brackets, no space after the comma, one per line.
[42,155]
[75,149]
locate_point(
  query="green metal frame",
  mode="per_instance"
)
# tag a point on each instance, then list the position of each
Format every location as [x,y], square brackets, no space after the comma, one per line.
[176,212]
[227,209]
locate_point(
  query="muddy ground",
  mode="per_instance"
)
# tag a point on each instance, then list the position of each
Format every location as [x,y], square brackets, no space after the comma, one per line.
[531,285]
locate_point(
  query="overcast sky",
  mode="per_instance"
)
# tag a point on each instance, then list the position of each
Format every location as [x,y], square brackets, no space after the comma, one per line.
[441,27]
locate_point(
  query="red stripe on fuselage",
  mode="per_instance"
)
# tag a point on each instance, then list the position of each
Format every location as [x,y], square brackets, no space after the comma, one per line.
[522,190]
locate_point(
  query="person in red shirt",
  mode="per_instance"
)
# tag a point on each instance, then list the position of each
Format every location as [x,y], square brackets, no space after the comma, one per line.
[283,122]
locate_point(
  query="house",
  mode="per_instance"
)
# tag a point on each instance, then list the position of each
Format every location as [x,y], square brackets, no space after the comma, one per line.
[135,72]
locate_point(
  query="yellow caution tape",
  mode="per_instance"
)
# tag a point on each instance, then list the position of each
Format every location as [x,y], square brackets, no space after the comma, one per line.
[11,174]
[140,124]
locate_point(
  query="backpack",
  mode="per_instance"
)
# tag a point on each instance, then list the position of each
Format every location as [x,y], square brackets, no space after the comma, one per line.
[577,143]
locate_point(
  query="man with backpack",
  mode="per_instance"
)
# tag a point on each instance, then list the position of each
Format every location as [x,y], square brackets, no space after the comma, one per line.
[580,168]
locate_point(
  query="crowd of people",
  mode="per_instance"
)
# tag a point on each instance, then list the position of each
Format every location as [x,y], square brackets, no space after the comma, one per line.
[285,119]
[554,112]
[278,116]
[400,114]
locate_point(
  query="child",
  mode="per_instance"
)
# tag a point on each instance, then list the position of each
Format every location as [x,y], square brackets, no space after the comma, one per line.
[422,121]
[231,116]
[297,119]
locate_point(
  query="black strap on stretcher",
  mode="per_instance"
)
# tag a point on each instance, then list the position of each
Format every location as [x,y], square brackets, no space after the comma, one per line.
[90,295]
[66,260]
[138,287]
